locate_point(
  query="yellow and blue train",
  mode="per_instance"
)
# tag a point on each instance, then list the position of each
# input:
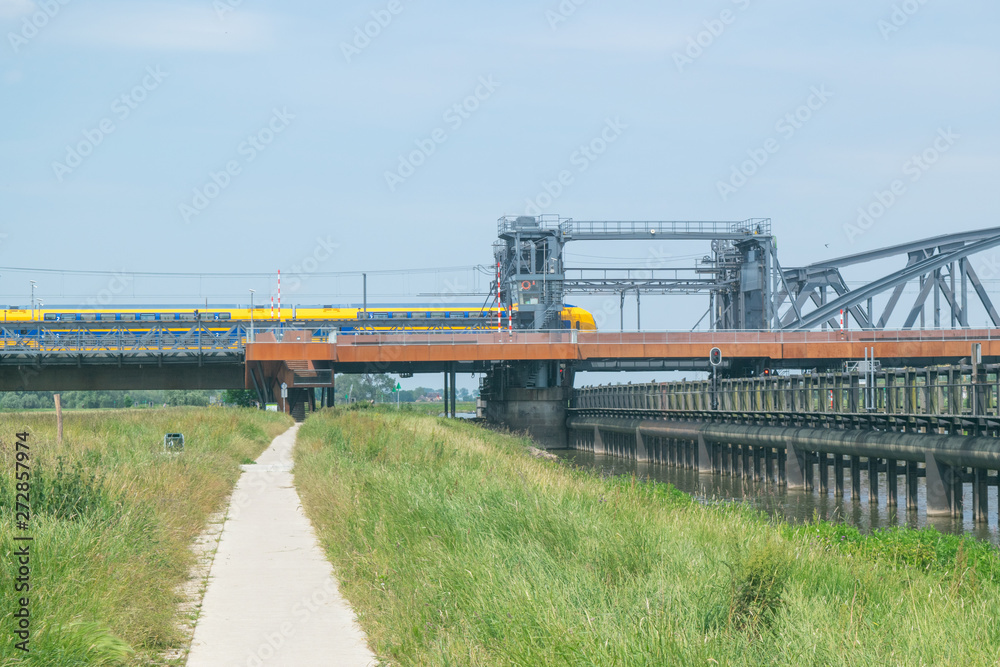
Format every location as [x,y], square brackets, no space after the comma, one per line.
[384,318]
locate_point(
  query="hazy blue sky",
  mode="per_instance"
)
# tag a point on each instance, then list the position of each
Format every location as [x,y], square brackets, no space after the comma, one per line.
[117,116]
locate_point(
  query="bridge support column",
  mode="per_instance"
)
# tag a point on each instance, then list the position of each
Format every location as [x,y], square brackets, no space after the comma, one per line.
[795,468]
[838,476]
[598,441]
[939,487]
[641,454]
[980,497]
[912,475]
[705,452]
[856,479]
[873,465]
[824,473]
[892,482]
[454,394]
[539,411]
[446,395]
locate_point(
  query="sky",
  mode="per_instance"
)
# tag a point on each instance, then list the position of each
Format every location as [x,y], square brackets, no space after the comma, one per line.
[244,136]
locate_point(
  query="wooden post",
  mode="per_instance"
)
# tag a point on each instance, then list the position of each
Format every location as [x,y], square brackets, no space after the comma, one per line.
[59,419]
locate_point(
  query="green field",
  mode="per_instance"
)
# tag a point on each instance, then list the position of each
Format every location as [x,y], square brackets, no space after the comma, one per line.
[433,409]
[457,547]
[113,519]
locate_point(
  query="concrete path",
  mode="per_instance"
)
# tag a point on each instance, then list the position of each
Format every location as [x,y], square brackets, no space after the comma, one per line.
[272,599]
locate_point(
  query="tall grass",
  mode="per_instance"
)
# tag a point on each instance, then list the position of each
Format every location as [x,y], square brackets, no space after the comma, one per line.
[457,547]
[112,521]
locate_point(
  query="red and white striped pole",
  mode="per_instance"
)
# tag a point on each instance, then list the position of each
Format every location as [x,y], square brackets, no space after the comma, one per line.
[272,306]
[279,294]
[841,319]
[499,305]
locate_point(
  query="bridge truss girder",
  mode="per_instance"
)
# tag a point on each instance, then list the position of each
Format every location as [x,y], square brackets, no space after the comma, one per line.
[940,265]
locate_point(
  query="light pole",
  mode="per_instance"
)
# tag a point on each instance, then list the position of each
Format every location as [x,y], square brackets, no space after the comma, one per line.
[251,315]
[32,300]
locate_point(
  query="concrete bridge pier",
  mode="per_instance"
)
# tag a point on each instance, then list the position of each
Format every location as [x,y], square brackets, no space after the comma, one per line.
[538,411]
[795,468]
[940,488]
[533,397]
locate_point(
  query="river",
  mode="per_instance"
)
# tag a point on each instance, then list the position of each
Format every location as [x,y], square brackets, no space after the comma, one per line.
[794,505]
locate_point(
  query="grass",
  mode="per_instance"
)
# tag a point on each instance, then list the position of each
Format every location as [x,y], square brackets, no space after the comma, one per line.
[112,520]
[455,546]
[433,409]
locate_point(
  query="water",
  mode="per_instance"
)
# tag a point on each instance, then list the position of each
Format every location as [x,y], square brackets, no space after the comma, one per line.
[798,505]
[460,415]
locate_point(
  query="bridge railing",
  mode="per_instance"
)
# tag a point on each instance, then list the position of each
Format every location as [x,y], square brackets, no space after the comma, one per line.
[946,392]
[34,339]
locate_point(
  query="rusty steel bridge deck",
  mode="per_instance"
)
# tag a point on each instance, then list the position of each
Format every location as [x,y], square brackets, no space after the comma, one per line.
[587,350]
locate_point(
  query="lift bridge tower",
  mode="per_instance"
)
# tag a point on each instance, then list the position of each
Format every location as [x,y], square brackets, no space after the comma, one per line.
[741,275]
[533,281]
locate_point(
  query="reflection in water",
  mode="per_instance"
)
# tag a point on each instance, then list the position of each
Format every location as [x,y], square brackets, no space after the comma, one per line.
[796,505]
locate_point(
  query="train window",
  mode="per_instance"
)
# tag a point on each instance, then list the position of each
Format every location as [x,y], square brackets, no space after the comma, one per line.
[51,317]
[127,317]
[437,314]
[187,317]
[223,316]
[401,316]
[88,317]
[145,317]
[380,316]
